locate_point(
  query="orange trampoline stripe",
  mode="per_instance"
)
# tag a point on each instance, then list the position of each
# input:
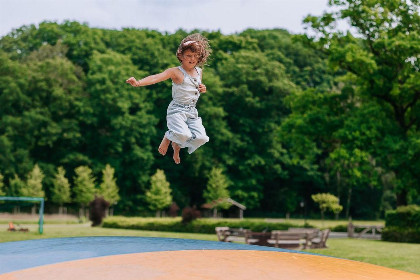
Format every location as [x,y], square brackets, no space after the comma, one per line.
[211,264]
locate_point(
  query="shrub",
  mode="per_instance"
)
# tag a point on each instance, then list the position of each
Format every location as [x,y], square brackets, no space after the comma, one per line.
[339,228]
[173,209]
[190,214]
[404,216]
[397,234]
[196,226]
[344,228]
[98,209]
[402,225]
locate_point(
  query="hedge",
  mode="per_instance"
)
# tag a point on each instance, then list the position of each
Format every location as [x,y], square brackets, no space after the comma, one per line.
[404,217]
[196,226]
[344,228]
[402,225]
[397,234]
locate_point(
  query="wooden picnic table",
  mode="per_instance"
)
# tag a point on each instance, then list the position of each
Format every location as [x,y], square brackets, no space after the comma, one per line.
[293,238]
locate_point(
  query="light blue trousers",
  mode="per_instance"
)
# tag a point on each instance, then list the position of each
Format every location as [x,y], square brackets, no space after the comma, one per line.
[185,127]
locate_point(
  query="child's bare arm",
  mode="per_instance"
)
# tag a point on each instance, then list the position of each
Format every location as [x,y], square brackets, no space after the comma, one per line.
[152,79]
[202,87]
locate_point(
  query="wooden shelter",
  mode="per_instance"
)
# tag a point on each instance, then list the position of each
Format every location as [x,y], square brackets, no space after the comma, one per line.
[214,203]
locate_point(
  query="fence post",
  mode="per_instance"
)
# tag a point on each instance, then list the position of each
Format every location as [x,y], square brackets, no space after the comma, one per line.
[350,230]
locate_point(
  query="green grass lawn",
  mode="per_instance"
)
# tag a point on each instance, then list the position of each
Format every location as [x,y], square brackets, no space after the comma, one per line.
[400,256]
[75,230]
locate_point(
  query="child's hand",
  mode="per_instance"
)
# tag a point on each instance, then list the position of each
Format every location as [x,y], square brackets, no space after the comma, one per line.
[132,81]
[202,88]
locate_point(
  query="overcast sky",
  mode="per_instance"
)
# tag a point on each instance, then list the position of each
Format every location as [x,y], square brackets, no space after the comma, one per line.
[228,16]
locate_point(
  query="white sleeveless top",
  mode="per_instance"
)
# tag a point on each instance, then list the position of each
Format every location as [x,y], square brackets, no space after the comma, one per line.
[187,93]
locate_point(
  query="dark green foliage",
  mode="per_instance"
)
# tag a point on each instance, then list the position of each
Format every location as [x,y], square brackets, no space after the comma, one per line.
[397,234]
[402,224]
[195,226]
[343,228]
[286,117]
[382,70]
[339,228]
[404,217]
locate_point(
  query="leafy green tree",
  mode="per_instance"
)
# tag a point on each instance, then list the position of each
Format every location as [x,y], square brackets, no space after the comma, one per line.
[82,42]
[217,190]
[14,156]
[306,67]
[39,118]
[327,202]
[108,189]
[33,186]
[352,168]
[55,88]
[381,59]
[159,195]
[281,123]
[60,192]
[117,124]
[328,137]
[256,87]
[16,185]
[84,187]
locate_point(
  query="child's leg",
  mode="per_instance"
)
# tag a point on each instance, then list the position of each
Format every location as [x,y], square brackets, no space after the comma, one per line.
[178,130]
[176,148]
[199,134]
[178,133]
[163,147]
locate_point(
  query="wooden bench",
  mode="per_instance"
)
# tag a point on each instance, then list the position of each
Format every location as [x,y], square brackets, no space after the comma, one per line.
[314,232]
[258,238]
[321,241]
[298,239]
[227,234]
[293,238]
[279,239]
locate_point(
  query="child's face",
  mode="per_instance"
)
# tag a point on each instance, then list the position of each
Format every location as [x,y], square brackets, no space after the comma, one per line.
[189,58]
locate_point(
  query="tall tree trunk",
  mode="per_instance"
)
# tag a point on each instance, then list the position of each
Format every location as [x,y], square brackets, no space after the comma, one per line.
[214,212]
[402,198]
[81,212]
[338,184]
[338,190]
[348,202]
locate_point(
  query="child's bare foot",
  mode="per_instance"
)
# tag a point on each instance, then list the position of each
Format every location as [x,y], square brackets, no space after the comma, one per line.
[163,147]
[176,148]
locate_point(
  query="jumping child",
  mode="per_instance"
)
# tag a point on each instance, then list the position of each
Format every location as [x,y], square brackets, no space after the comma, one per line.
[185,128]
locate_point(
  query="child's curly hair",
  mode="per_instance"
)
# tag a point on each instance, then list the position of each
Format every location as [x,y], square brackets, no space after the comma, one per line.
[198,44]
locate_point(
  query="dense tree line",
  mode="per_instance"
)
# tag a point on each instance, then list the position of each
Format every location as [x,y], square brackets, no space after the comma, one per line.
[288,116]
